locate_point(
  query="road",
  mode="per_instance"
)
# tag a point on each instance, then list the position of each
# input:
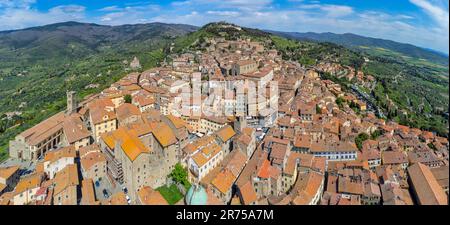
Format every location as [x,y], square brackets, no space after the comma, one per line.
[369,101]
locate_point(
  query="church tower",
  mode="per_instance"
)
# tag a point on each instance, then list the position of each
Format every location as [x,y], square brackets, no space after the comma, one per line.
[240,123]
[71,103]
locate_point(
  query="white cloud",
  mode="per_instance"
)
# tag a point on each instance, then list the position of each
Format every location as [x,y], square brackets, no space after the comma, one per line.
[128,14]
[22,15]
[243,5]
[337,10]
[110,8]
[16,3]
[438,11]
[68,9]
[440,15]
[223,13]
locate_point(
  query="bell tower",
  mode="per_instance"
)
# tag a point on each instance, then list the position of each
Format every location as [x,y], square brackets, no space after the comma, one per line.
[71,103]
[239,123]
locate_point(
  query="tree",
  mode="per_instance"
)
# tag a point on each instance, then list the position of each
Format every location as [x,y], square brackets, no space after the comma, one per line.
[340,101]
[127,98]
[375,134]
[179,175]
[360,139]
[318,109]
[432,146]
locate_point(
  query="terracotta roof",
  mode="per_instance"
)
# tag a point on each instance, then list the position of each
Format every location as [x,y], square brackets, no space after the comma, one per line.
[164,134]
[129,142]
[426,187]
[441,175]
[201,142]
[212,199]
[319,164]
[66,152]
[371,154]
[394,195]
[88,193]
[264,170]
[206,153]
[28,182]
[83,151]
[74,129]
[332,183]
[291,164]
[244,139]
[177,122]
[100,115]
[133,146]
[5,199]
[223,181]
[65,178]
[278,151]
[148,196]
[225,133]
[39,167]
[236,163]
[248,193]
[345,185]
[127,110]
[101,110]
[91,159]
[215,119]
[306,187]
[259,74]
[245,62]
[44,129]
[248,131]
[302,141]
[394,157]
[427,135]
[372,189]
[109,139]
[6,172]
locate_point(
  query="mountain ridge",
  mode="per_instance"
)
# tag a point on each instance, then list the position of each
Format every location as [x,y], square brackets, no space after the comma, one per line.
[345,39]
[356,41]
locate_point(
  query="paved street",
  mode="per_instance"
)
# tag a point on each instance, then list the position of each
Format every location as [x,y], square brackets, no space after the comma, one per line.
[105,183]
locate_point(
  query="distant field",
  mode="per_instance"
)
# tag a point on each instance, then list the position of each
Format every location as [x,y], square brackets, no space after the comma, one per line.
[382,52]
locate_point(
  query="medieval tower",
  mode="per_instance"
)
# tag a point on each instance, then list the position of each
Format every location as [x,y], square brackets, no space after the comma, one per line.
[71,103]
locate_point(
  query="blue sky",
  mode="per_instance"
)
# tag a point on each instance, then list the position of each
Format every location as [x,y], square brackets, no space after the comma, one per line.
[423,23]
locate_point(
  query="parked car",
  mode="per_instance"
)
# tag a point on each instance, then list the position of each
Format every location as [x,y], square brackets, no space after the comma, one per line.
[105,193]
[125,190]
[22,172]
[128,199]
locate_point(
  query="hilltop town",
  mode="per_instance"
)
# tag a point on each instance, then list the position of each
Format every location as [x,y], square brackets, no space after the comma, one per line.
[140,142]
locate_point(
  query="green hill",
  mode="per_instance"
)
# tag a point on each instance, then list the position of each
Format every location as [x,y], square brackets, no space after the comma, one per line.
[367,43]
